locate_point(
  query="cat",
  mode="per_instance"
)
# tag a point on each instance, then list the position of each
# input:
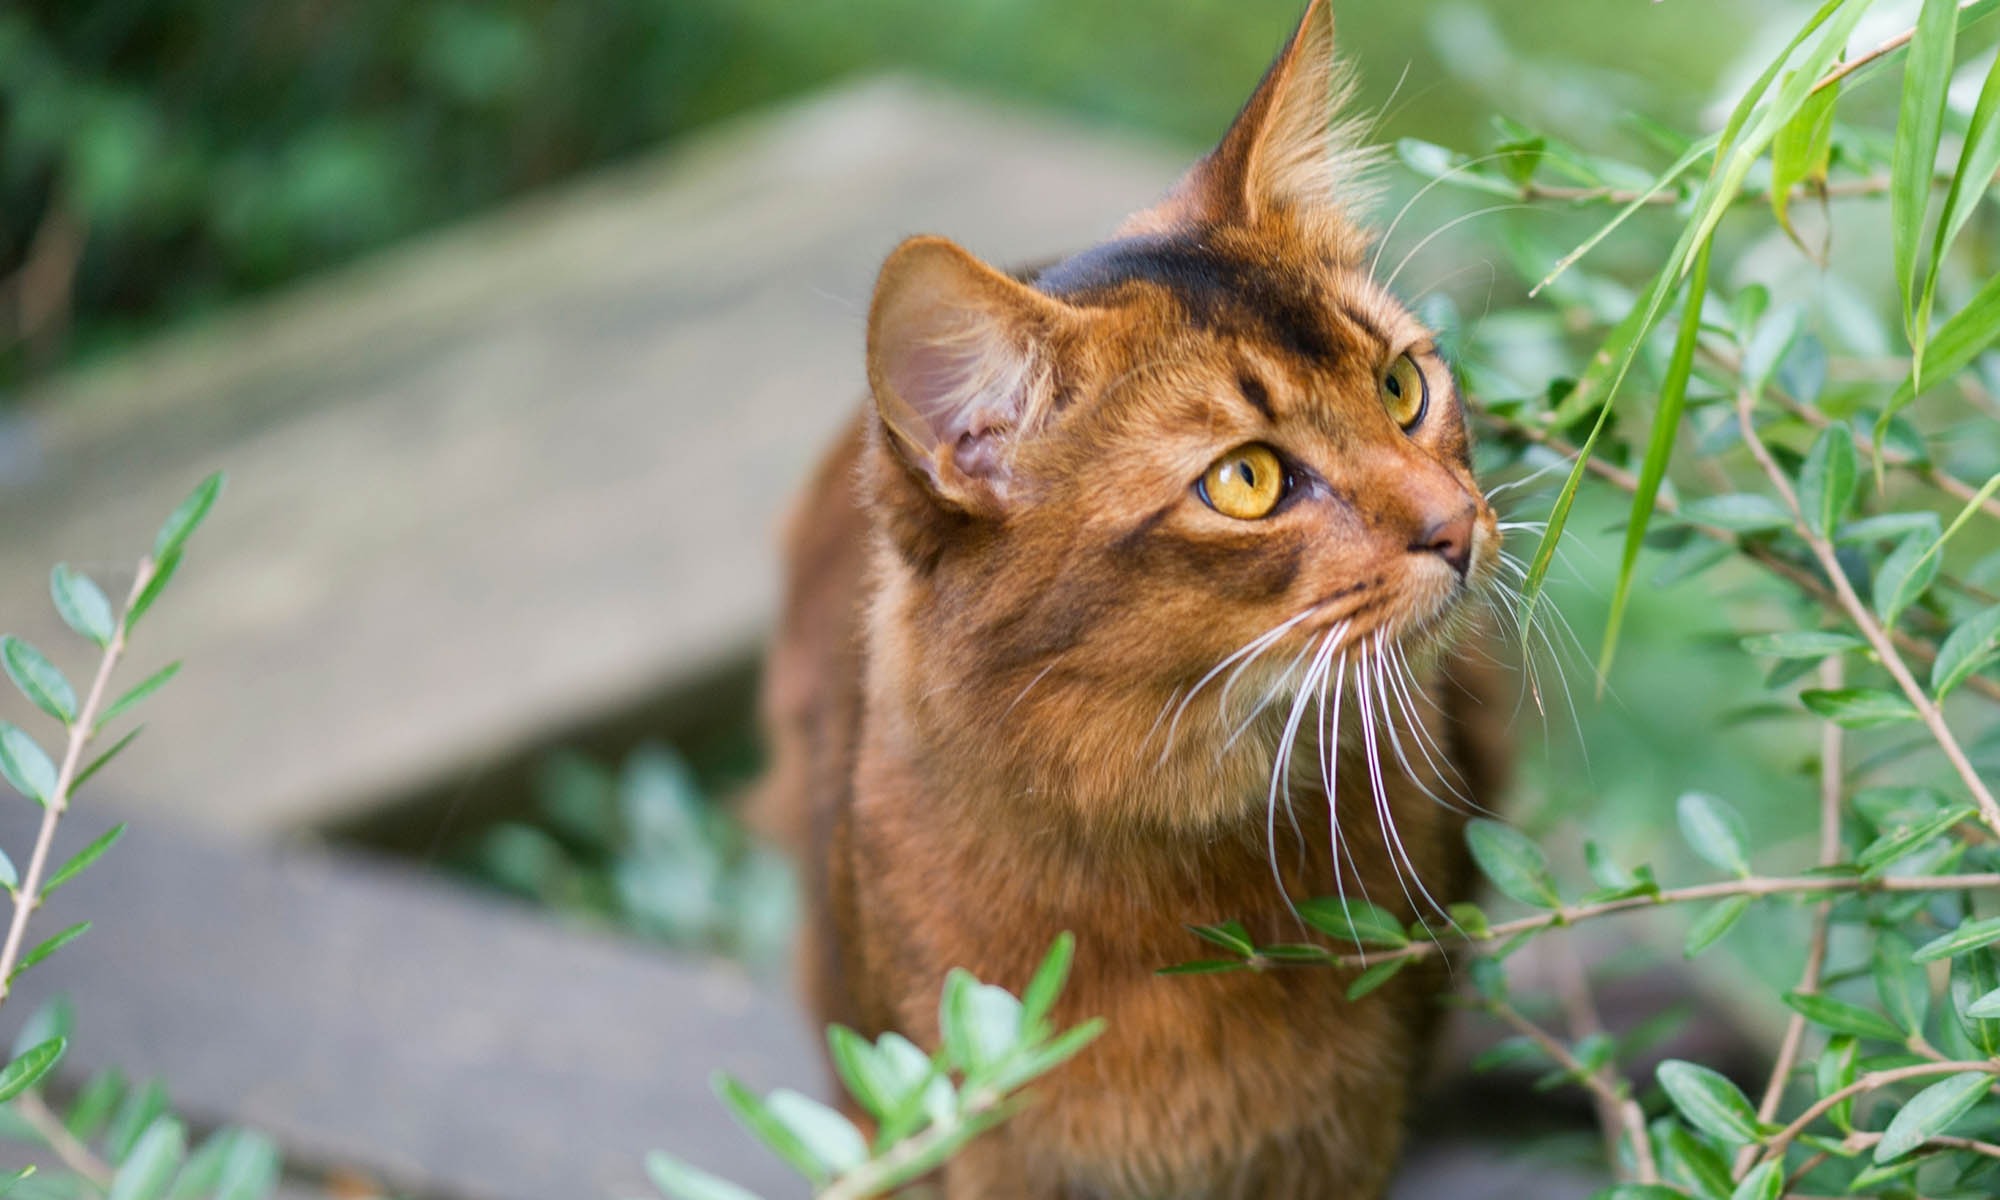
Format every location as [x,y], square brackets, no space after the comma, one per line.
[1074,608]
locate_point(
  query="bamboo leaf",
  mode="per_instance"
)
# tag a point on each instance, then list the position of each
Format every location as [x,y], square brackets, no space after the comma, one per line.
[1919,122]
[1659,448]
[1931,1112]
[1969,182]
[1952,346]
[1799,154]
[81,604]
[38,678]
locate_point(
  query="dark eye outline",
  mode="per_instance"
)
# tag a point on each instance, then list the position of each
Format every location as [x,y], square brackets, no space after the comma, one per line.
[1288,479]
[1423,382]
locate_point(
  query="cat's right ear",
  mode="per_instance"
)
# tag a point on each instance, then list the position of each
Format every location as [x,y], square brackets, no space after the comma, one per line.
[960,359]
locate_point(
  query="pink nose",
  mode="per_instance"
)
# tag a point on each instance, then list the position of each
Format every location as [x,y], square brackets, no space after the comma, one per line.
[1450,538]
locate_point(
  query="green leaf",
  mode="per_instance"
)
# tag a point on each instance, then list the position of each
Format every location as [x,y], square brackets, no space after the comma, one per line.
[1718,919]
[1827,480]
[1920,119]
[1374,977]
[1639,1191]
[677,1179]
[81,604]
[149,1169]
[9,877]
[1709,1101]
[828,1136]
[1835,1070]
[1715,831]
[1512,861]
[1768,1180]
[103,760]
[1972,976]
[251,1168]
[1986,1008]
[1039,998]
[1738,512]
[1692,1162]
[757,1118]
[1349,920]
[1900,839]
[23,765]
[146,687]
[1969,936]
[1974,176]
[38,679]
[1859,708]
[163,574]
[1230,935]
[28,1068]
[1470,920]
[48,946]
[1842,1017]
[1659,448]
[186,518]
[1905,575]
[8,1181]
[1973,644]
[979,1024]
[1953,346]
[1799,154]
[1931,1112]
[1802,643]
[84,857]
[864,1076]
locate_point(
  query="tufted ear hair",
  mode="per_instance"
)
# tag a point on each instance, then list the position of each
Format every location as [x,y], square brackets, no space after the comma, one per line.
[1292,149]
[960,359]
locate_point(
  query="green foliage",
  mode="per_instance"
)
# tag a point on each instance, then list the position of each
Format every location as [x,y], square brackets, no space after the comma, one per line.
[925,1107]
[647,850]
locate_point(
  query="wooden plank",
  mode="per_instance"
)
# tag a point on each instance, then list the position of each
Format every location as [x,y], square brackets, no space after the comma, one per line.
[391,1023]
[525,472]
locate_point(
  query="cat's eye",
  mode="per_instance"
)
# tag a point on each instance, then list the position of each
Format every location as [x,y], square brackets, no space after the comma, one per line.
[1245,483]
[1404,392]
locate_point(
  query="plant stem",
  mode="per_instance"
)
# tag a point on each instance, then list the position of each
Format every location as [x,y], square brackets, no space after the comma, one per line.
[1861,60]
[1872,185]
[75,1155]
[1829,853]
[1774,1146]
[28,897]
[1754,886]
[1864,620]
[1615,1108]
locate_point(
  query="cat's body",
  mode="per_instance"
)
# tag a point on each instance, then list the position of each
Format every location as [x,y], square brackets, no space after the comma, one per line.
[996,700]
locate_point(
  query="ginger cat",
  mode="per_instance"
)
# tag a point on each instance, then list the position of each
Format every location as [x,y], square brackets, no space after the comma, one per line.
[1076,608]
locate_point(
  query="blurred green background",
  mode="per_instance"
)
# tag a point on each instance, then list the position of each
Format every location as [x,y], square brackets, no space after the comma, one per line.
[159,158]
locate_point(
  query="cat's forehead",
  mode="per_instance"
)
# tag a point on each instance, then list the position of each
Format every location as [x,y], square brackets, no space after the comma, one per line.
[1320,312]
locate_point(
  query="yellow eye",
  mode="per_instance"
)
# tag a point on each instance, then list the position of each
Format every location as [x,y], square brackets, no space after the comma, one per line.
[1404,392]
[1245,483]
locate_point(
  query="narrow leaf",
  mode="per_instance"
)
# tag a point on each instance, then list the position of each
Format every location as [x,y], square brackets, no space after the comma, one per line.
[1799,154]
[38,679]
[103,760]
[1350,920]
[828,1136]
[1970,182]
[756,1117]
[1740,512]
[1920,119]
[1802,643]
[1826,482]
[1842,1017]
[1374,977]
[149,1169]
[1719,918]
[1859,708]
[1230,935]
[1931,1112]
[146,687]
[48,946]
[1969,936]
[84,857]
[679,1181]
[25,1071]
[1767,1182]
[186,518]
[163,574]
[250,1170]
[1905,575]
[81,604]
[1039,998]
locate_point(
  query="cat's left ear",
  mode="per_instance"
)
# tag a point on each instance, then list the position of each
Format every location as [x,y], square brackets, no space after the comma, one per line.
[961,361]
[1291,149]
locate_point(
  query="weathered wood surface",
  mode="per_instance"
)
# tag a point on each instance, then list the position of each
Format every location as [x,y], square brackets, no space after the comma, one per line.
[527,471]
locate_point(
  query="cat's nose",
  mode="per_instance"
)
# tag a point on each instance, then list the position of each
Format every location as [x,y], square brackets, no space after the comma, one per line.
[1450,538]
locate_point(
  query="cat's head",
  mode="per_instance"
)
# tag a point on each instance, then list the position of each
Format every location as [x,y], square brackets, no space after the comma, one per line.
[1100,483]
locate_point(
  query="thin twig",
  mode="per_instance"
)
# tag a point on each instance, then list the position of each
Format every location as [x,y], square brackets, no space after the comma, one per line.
[75,1155]
[1829,854]
[1615,1107]
[1775,1145]
[28,896]
[1861,60]
[1872,185]
[1864,620]
[1755,886]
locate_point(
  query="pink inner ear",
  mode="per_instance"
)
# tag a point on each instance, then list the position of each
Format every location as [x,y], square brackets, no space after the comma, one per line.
[969,387]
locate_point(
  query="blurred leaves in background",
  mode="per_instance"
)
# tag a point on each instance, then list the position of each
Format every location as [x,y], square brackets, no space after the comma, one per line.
[158,159]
